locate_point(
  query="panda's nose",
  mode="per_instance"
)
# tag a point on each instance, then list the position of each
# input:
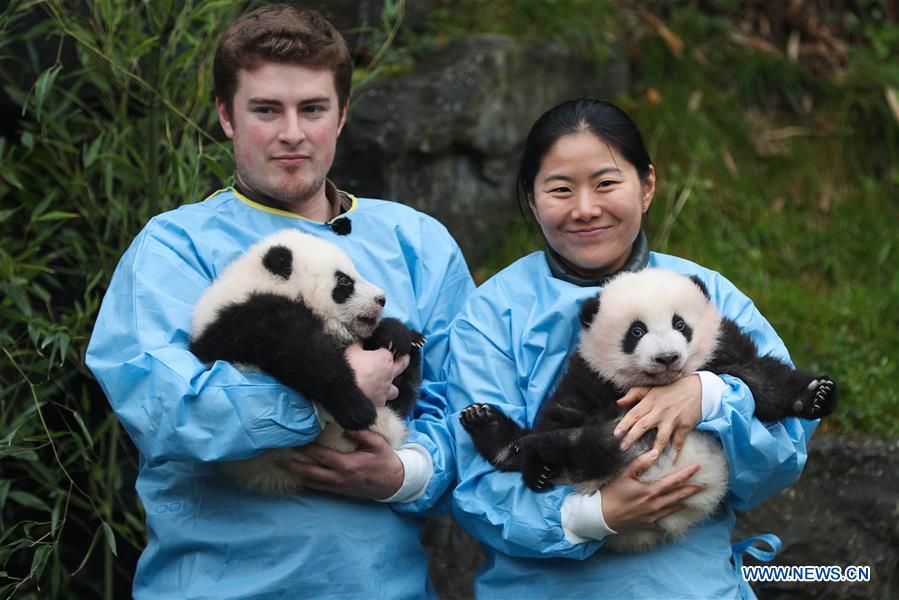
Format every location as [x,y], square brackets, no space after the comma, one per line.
[382,300]
[667,359]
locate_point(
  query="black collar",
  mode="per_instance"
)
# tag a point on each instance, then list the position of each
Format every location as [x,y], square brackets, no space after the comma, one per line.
[638,260]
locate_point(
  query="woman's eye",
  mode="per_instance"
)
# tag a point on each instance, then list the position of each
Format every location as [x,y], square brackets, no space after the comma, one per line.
[605,184]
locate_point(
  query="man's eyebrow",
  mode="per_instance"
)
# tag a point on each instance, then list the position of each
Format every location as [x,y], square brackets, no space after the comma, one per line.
[271,101]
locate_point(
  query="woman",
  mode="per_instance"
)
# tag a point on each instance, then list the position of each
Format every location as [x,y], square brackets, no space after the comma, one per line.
[588,180]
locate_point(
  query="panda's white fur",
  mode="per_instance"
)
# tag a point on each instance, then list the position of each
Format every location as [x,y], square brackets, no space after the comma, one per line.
[314,262]
[651,296]
[646,328]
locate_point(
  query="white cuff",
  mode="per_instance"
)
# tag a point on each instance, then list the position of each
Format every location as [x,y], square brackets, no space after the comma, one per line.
[419,468]
[712,391]
[321,415]
[582,519]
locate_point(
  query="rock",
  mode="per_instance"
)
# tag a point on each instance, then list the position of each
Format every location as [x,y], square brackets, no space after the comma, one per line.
[446,138]
[844,511]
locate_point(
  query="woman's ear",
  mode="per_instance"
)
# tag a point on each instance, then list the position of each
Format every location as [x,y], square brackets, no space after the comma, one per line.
[533,206]
[648,186]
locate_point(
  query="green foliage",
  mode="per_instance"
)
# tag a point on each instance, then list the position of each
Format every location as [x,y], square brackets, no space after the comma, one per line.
[114,129]
[784,180]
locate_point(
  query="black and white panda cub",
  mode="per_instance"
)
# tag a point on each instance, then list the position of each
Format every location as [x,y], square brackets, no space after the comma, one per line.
[290,307]
[644,329]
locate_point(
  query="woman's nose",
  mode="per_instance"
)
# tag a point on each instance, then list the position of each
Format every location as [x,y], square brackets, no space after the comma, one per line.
[586,206]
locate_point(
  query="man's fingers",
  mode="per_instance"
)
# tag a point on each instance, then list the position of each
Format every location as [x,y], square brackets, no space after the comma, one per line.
[400,365]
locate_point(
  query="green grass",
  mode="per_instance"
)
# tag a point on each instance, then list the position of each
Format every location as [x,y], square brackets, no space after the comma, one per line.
[786,182]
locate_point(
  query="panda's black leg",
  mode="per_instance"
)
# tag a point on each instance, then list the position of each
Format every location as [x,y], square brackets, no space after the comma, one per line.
[493,434]
[579,453]
[780,390]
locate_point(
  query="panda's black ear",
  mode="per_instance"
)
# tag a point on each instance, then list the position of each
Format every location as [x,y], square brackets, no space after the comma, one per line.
[589,310]
[279,261]
[701,285]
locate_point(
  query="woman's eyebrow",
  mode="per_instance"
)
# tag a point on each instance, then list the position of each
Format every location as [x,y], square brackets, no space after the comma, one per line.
[594,175]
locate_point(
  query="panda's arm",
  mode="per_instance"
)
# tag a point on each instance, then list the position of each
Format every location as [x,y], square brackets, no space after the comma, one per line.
[442,285]
[175,407]
[764,458]
[494,506]
[287,340]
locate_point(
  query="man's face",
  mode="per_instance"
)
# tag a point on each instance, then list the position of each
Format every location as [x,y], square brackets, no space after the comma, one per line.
[285,123]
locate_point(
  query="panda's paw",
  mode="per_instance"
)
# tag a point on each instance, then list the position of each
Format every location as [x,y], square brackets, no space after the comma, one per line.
[819,400]
[396,337]
[477,415]
[538,476]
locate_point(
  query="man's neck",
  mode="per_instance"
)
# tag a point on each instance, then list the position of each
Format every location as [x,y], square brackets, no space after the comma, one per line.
[323,206]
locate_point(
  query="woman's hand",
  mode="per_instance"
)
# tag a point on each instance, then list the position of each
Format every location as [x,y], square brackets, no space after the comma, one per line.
[373,470]
[673,409]
[629,504]
[375,371]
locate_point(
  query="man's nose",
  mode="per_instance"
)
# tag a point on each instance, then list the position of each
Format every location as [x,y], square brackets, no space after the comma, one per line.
[292,132]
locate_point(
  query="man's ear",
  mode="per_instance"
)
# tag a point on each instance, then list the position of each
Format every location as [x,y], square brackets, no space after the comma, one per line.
[344,111]
[224,118]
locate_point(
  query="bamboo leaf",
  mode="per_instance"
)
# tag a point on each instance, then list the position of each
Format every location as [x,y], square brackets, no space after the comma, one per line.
[28,500]
[110,537]
[56,215]
[40,561]
[43,85]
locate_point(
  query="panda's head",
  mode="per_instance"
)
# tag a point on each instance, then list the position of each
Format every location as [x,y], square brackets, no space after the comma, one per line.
[649,328]
[301,267]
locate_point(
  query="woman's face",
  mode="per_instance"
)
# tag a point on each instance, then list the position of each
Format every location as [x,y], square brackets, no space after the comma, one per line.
[589,202]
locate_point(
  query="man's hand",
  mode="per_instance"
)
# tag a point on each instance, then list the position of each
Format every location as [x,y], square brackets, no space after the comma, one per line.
[375,371]
[373,471]
[673,409]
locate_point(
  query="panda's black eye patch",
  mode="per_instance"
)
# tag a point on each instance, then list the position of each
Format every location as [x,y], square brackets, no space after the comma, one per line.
[635,333]
[680,325]
[345,286]
[279,261]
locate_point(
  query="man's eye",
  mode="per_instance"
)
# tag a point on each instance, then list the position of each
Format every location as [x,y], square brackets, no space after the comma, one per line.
[313,109]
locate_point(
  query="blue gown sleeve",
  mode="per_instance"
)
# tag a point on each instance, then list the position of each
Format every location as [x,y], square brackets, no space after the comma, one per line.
[496,507]
[440,300]
[763,458]
[173,406]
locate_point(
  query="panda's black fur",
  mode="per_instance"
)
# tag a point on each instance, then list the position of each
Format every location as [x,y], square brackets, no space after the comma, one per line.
[572,440]
[290,307]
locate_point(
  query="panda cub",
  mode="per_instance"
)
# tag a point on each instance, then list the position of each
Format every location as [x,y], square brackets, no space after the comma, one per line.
[289,307]
[646,328]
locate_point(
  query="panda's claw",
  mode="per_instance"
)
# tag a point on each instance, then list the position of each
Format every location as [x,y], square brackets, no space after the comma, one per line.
[474,415]
[543,479]
[822,401]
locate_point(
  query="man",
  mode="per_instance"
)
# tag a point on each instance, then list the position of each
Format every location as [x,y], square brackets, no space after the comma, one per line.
[282,78]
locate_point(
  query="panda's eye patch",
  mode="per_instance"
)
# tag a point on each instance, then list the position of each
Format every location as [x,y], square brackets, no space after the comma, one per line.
[680,325]
[344,288]
[634,334]
[638,329]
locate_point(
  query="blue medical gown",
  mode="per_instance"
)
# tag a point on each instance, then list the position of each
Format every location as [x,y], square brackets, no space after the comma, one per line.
[508,348]
[207,537]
